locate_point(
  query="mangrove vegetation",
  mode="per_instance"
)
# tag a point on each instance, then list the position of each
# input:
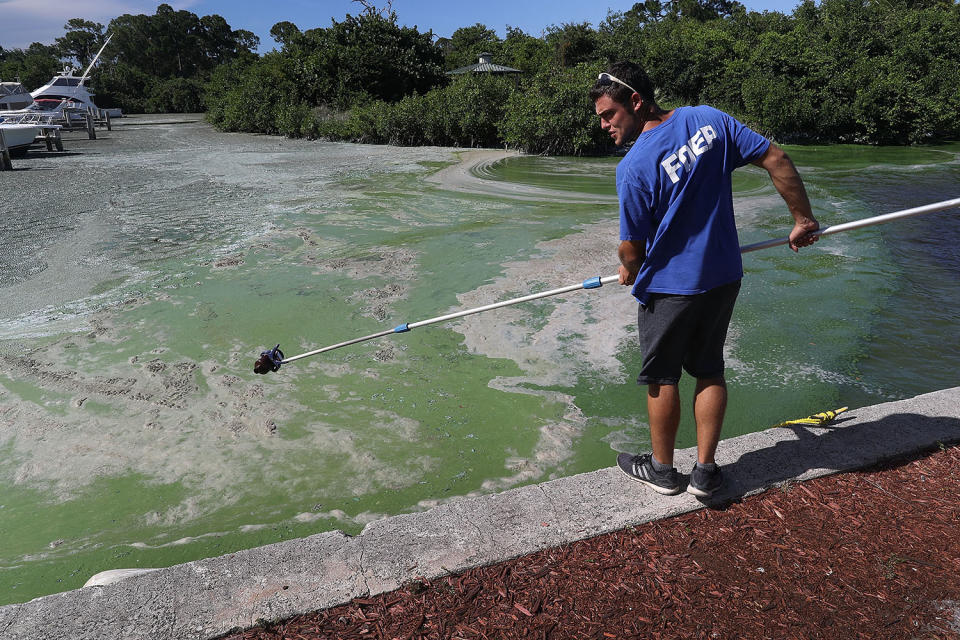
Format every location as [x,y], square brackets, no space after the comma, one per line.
[865,71]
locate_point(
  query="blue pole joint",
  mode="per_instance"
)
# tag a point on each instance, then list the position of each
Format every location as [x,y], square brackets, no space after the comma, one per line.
[592,283]
[402,328]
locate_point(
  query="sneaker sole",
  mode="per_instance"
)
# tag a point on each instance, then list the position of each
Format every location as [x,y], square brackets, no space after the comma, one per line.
[661,490]
[700,493]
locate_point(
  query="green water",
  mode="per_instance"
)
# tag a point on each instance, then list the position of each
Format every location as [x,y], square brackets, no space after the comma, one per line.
[134,433]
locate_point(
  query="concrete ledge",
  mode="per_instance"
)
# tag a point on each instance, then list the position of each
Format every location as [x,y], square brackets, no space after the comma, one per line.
[208,598]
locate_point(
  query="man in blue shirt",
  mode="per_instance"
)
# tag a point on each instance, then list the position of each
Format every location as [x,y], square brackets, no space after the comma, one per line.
[680,252]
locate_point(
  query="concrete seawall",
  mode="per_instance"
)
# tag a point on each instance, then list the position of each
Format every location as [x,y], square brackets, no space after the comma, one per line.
[207,598]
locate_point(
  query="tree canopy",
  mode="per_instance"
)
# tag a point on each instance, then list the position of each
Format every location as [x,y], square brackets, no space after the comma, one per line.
[81,41]
[153,63]
[874,71]
[869,71]
[33,66]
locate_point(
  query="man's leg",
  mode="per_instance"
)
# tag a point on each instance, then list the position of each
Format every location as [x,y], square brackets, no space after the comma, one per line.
[662,329]
[663,406]
[704,361]
[709,406]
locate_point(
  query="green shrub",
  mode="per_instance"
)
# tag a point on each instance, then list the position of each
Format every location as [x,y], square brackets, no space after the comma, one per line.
[254,97]
[176,95]
[295,120]
[552,114]
[465,113]
[833,70]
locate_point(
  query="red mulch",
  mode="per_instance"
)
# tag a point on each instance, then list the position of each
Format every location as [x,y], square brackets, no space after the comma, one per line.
[869,554]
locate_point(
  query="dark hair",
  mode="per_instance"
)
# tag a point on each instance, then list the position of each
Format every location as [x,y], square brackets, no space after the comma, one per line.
[631,73]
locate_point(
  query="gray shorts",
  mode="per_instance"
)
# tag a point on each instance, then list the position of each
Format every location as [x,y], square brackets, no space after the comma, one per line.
[685,332]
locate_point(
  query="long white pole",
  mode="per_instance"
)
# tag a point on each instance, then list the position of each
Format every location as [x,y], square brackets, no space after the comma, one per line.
[595,283]
[856,224]
[592,283]
[95,58]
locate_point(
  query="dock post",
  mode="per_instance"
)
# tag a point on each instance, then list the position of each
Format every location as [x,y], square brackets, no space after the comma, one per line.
[91,131]
[109,126]
[6,164]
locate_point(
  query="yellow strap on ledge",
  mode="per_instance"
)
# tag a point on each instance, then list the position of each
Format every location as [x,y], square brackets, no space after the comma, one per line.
[816,420]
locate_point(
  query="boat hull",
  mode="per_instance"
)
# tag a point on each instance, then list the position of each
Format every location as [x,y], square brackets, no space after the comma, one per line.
[15,103]
[19,137]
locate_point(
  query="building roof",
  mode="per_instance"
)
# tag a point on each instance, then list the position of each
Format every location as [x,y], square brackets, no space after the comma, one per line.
[483,66]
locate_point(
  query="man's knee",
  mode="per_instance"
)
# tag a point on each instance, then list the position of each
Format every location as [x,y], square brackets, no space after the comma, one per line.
[656,389]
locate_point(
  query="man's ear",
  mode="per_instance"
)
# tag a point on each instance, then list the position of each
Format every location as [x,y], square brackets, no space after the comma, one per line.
[637,102]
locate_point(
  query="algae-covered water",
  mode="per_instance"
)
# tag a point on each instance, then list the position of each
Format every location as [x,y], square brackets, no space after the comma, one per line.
[144,272]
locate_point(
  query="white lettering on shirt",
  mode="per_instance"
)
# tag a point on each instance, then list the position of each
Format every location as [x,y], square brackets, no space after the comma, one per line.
[697,143]
[709,134]
[684,157]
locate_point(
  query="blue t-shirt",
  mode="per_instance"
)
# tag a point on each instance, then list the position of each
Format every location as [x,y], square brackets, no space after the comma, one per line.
[675,195]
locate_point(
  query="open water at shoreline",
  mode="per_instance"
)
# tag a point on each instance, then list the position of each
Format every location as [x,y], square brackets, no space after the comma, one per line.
[144,272]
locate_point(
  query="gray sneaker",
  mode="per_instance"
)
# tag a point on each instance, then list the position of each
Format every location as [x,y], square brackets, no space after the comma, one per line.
[640,468]
[703,483]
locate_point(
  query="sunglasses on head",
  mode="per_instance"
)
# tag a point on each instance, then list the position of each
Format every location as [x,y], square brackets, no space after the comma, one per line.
[607,78]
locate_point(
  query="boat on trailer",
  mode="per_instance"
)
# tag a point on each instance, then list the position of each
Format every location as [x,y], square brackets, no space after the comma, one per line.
[13,96]
[68,90]
[18,137]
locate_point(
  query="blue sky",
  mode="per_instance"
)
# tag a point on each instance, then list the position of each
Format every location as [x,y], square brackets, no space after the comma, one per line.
[26,21]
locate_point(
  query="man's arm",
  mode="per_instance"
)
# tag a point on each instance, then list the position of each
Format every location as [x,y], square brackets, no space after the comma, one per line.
[631,255]
[789,185]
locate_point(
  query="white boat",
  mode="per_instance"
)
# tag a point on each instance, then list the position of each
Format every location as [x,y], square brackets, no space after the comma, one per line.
[13,96]
[67,89]
[18,137]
